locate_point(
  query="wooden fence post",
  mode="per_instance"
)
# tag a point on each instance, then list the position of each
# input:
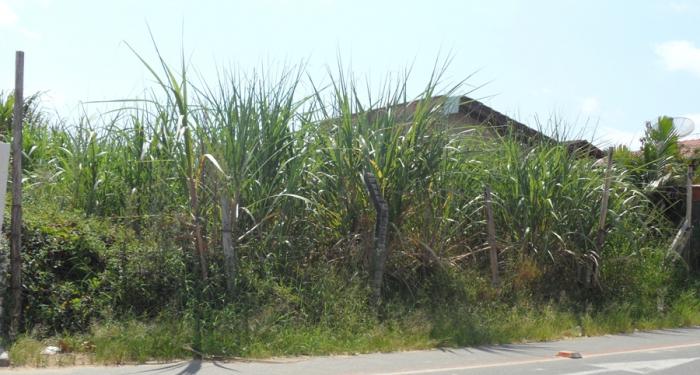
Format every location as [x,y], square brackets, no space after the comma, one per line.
[600,237]
[16,225]
[227,243]
[380,236]
[491,228]
[689,210]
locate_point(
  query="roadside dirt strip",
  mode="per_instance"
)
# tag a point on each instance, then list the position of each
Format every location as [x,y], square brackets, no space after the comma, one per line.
[675,351]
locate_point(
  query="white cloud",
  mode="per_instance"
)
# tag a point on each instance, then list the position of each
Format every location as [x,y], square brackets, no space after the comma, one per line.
[679,55]
[590,105]
[695,117]
[303,3]
[543,91]
[45,4]
[29,34]
[8,18]
[681,7]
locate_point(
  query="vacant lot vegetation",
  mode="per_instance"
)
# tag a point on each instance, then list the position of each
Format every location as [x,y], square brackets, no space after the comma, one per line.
[124,256]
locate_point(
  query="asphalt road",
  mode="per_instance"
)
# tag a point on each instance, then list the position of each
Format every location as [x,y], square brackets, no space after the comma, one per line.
[659,352]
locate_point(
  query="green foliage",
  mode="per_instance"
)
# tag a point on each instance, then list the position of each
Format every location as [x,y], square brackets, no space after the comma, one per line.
[63,265]
[123,209]
[658,168]
[31,111]
[78,270]
[660,155]
[7,104]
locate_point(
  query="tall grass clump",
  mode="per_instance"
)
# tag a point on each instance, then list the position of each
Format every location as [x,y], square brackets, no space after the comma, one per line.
[548,208]
[287,272]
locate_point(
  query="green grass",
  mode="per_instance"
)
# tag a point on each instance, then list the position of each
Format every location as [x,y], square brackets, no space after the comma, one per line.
[168,339]
[26,351]
[134,341]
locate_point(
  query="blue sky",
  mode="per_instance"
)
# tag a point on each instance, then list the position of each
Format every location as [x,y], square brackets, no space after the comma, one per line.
[603,65]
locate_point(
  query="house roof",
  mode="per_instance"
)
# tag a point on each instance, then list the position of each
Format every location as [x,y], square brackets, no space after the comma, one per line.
[487,115]
[500,122]
[464,108]
[584,147]
[689,148]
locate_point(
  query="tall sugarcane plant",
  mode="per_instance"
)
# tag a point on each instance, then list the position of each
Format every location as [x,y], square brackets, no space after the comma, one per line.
[256,180]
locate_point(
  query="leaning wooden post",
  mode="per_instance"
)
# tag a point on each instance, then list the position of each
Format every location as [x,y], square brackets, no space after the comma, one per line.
[16,224]
[380,236]
[491,228]
[689,195]
[600,237]
[689,208]
[681,240]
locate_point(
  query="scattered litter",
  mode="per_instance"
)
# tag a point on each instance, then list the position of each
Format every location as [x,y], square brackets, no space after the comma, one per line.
[4,358]
[568,354]
[51,350]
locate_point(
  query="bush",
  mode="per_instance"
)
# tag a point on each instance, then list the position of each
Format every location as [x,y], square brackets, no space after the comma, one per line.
[77,270]
[63,271]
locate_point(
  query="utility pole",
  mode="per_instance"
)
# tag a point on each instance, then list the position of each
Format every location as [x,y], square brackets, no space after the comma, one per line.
[16,225]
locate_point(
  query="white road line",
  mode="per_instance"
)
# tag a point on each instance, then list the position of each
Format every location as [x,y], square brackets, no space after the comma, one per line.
[540,360]
[642,350]
[637,367]
[471,367]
